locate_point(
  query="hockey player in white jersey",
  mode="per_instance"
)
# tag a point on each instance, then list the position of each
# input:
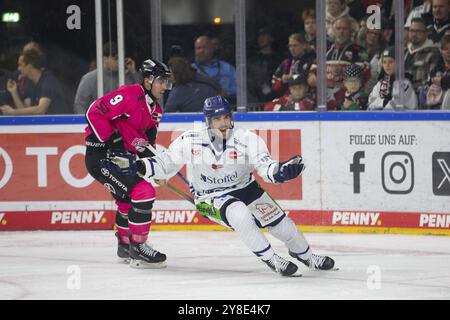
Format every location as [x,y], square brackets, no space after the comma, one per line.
[223,159]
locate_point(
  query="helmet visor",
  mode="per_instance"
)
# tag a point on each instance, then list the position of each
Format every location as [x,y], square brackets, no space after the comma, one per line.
[166,80]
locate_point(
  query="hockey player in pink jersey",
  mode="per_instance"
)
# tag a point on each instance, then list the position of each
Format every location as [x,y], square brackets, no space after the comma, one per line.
[126,121]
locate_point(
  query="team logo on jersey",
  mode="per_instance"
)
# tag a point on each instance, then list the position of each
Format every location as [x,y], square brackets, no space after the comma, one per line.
[110,188]
[216,166]
[139,144]
[120,184]
[195,152]
[238,143]
[233,155]
[220,180]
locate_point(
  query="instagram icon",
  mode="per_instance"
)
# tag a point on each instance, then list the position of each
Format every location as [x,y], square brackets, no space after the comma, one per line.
[397,172]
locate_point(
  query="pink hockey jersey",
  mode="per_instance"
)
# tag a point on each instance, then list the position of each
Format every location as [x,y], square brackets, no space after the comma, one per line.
[127,110]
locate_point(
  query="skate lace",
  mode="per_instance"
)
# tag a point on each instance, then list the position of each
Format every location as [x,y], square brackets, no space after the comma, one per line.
[279,263]
[316,261]
[147,250]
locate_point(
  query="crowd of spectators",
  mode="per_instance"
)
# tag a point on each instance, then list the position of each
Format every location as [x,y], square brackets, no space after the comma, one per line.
[360,67]
[360,58]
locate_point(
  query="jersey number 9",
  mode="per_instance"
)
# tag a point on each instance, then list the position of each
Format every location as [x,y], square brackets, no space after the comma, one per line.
[117,99]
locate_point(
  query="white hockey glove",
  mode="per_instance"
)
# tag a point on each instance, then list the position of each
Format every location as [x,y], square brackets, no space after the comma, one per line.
[145,168]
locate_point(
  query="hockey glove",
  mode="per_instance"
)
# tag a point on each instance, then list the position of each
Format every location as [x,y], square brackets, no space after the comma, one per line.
[120,163]
[289,169]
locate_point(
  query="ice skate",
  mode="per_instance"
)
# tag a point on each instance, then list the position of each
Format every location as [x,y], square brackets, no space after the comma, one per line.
[281,266]
[316,262]
[145,257]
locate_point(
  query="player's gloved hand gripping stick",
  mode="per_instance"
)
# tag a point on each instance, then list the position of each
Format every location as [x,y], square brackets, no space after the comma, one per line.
[120,163]
[128,164]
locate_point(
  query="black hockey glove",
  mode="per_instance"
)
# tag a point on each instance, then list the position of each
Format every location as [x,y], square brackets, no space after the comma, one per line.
[121,163]
[289,169]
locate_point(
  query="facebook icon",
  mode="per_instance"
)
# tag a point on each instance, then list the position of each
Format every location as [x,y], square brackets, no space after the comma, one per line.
[357,167]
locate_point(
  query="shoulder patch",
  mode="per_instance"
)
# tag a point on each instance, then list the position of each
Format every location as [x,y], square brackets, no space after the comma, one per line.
[238,143]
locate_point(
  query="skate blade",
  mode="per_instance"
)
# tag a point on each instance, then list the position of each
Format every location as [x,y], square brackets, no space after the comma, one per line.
[332,269]
[123,260]
[295,275]
[139,264]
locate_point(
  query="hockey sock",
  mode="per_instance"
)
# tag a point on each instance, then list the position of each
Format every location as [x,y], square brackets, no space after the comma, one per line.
[122,221]
[139,220]
[294,239]
[122,227]
[243,222]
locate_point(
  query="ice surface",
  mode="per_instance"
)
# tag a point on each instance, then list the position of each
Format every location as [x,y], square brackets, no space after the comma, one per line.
[217,265]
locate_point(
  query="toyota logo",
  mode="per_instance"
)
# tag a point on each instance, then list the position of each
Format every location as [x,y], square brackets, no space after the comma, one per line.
[110,187]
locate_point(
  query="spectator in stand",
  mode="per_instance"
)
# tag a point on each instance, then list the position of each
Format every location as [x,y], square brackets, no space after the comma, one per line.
[376,47]
[340,54]
[421,54]
[373,40]
[46,97]
[297,98]
[87,89]
[336,9]
[261,65]
[209,64]
[302,57]
[438,20]
[439,79]
[309,24]
[353,96]
[418,11]
[385,95]
[344,48]
[25,86]
[191,88]
[388,31]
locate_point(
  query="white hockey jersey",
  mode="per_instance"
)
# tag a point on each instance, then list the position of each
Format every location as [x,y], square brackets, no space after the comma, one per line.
[218,166]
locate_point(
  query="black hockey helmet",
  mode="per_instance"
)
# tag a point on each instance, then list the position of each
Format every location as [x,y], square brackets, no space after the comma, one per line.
[154,69]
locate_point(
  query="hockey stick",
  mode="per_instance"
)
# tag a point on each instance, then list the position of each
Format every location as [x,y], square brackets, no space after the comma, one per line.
[180,193]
